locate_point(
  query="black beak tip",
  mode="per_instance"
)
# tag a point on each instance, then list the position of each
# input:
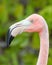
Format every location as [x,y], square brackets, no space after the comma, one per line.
[9,38]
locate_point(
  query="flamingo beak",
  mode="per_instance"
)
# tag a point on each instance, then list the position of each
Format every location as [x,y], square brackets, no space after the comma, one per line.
[16,29]
[9,38]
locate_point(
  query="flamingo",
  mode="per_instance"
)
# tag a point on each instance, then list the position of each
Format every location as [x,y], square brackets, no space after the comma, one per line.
[33,23]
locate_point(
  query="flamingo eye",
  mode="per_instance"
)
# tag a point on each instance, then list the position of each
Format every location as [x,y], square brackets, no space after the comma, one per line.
[31,21]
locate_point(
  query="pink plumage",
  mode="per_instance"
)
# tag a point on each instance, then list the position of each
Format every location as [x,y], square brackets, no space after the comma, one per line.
[33,23]
[41,27]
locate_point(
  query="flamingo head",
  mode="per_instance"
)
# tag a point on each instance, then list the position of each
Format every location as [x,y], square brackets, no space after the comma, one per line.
[26,25]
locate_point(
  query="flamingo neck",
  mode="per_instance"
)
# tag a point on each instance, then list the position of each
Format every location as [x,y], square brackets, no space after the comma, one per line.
[44,48]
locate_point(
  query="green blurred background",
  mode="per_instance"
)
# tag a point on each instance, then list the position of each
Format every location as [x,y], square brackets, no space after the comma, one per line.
[24,49]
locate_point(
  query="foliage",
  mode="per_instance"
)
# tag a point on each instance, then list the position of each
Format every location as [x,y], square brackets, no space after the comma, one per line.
[12,11]
[47,14]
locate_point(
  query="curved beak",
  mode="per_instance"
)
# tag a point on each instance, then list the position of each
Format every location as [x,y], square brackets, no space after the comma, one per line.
[16,29]
[9,38]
